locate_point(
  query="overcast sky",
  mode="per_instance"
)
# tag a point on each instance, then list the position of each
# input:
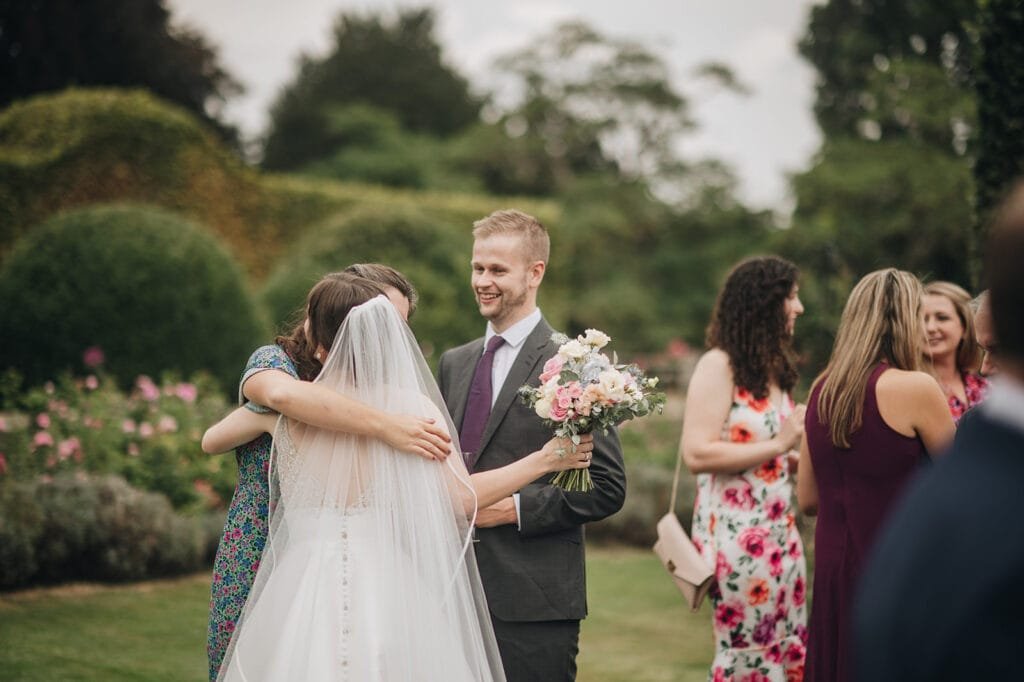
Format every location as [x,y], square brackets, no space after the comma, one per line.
[762,136]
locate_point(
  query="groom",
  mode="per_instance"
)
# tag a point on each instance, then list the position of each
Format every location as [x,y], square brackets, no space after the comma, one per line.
[530,549]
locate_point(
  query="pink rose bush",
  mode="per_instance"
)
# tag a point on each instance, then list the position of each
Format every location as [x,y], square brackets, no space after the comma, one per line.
[149,434]
[582,390]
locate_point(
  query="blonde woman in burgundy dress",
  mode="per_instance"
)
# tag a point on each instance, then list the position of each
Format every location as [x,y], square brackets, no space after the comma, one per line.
[872,417]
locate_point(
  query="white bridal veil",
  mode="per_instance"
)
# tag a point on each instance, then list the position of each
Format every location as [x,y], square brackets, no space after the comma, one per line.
[367,574]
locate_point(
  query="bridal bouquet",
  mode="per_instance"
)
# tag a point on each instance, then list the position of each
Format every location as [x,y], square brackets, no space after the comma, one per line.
[582,390]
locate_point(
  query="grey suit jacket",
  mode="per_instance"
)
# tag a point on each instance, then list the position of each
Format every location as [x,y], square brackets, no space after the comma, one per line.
[535,573]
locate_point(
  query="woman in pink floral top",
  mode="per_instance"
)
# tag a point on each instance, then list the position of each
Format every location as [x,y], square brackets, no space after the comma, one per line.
[953,346]
[740,432]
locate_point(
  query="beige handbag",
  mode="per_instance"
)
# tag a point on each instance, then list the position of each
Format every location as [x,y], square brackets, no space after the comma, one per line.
[689,571]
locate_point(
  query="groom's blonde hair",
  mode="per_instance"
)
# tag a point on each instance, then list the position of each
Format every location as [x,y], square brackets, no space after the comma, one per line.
[532,234]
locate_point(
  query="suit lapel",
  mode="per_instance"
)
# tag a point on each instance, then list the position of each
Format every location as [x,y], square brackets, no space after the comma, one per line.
[518,375]
[462,377]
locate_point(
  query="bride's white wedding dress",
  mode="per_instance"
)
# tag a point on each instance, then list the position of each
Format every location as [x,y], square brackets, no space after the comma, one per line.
[367,574]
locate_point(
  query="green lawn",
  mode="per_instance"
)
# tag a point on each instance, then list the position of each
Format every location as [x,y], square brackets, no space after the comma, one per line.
[638,629]
[146,631]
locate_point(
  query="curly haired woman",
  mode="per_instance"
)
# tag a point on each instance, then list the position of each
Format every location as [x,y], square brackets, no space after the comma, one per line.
[740,430]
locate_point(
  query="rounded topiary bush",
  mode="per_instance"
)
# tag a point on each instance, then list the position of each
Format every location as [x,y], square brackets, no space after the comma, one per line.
[153,291]
[432,248]
[86,146]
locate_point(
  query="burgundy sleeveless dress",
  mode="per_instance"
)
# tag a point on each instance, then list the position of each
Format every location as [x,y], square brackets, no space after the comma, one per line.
[856,489]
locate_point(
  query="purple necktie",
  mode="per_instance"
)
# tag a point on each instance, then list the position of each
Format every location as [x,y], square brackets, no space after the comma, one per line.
[478,405]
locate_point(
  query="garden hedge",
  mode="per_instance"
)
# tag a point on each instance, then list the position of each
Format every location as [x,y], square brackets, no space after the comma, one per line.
[80,147]
[80,527]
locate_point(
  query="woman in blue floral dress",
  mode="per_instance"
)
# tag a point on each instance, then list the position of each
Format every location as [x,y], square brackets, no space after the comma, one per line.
[245,531]
[275,381]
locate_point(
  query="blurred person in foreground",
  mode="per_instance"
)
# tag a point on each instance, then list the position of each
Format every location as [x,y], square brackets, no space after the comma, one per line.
[873,416]
[942,597]
[740,432]
[952,345]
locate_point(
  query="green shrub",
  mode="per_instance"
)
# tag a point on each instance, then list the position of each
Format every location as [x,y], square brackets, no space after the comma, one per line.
[431,247]
[69,527]
[150,289]
[79,527]
[648,490]
[81,147]
[21,525]
[649,448]
[85,146]
[139,535]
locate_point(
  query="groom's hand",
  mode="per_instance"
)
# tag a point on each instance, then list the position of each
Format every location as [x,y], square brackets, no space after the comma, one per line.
[498,514]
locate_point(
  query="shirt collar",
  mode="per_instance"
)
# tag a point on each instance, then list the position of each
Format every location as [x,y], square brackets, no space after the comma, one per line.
[1005,401]
[516,334]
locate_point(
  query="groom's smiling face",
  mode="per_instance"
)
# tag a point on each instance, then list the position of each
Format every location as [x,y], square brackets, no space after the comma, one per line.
[504,282]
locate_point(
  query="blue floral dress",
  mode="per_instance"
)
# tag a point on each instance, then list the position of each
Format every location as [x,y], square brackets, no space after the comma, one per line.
[245,531]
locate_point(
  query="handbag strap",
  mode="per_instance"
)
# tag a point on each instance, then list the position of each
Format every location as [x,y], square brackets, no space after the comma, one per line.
[675,481]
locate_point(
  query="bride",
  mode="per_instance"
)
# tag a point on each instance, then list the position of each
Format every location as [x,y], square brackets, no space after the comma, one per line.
[367,573]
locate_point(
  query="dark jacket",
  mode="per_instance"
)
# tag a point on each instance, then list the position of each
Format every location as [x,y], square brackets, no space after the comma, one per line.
[536,573]
[943,595]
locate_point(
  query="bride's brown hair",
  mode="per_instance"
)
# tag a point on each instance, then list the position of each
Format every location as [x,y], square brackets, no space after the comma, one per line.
[329,302]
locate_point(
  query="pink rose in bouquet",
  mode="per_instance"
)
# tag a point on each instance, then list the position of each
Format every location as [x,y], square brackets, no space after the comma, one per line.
[582,390]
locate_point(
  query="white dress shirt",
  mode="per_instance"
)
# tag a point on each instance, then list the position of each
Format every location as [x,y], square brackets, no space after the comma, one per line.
[504,358]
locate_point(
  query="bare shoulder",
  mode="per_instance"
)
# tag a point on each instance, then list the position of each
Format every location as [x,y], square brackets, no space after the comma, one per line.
[712,378]
[899,383]
[714,362]
[906,399]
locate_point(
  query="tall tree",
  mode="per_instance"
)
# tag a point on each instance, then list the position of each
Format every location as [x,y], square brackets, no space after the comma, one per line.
[847,40]
[48,45]
[1000,86]
[394,65]
[891,184]
[588,102]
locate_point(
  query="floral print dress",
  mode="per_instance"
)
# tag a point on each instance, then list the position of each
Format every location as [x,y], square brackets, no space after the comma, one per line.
[744,526]
[975,389]
[245,531]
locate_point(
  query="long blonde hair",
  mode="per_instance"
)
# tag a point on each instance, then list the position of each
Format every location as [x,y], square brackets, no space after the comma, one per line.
[881,323]
[968,354]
